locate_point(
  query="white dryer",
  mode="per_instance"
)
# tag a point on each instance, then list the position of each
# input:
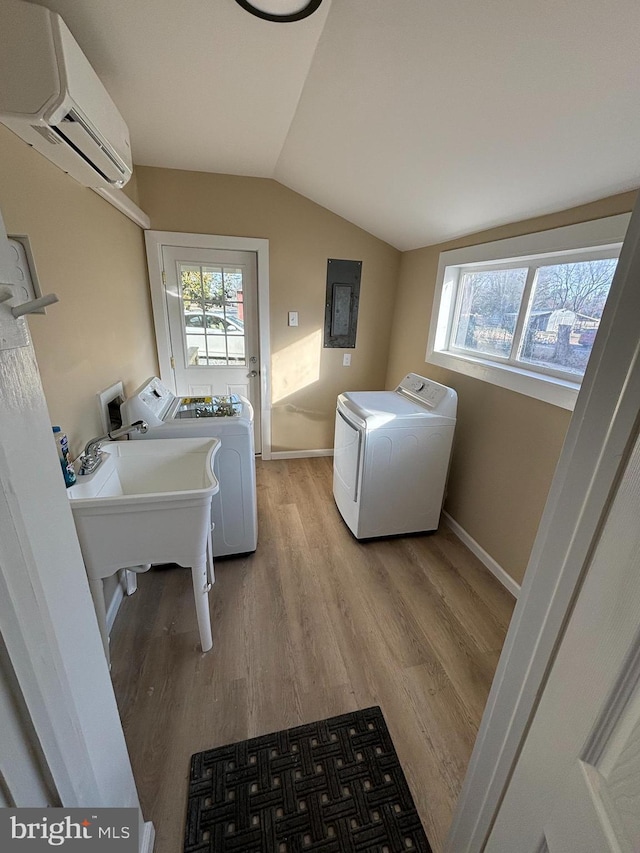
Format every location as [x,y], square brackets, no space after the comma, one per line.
[229,418]
[391,456]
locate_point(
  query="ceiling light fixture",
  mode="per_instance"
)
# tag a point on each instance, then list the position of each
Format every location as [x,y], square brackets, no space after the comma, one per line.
[281,11]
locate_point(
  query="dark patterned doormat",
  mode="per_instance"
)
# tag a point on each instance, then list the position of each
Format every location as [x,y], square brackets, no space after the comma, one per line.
[335,786]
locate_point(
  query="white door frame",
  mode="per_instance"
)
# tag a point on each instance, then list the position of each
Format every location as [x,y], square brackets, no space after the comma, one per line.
[47,619]
[154,241]
[24,776]
[44,606]
[593,457]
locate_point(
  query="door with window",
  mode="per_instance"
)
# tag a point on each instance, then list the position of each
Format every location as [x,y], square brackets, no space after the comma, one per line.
[212,310]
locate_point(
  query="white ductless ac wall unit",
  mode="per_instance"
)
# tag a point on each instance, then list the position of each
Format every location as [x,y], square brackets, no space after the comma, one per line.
[51,97]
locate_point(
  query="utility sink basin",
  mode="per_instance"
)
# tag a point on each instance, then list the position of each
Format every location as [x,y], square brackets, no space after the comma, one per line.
[148,502]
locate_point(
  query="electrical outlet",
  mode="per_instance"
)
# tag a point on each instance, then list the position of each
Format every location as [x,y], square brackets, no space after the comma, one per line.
[346,359]
[293,318]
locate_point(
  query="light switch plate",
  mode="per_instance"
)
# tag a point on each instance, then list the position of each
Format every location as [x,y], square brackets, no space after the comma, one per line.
[293,318]
[346,359]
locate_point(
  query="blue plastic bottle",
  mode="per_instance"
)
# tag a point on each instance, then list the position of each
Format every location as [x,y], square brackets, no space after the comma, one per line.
[66,464]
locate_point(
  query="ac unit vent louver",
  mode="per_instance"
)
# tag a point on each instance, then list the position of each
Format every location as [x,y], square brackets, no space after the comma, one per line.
[85,140]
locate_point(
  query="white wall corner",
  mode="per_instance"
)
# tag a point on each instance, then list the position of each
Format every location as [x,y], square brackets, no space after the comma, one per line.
[485,558]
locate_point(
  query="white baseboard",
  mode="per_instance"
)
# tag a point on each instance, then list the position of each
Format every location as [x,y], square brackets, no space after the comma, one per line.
[486,559]
[114,605]
[300,454]
[148,837]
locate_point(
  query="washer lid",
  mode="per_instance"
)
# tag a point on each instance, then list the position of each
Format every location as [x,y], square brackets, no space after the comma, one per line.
[388,408]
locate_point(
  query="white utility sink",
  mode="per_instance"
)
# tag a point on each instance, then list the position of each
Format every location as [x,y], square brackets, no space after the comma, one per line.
[148,502]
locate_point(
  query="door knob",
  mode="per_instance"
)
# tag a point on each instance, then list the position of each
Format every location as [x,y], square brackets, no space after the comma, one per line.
[252,374]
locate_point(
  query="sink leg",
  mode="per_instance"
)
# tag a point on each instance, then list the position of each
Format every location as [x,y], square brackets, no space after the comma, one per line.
[212,574]
[201,587]
[97,593]
[130,581]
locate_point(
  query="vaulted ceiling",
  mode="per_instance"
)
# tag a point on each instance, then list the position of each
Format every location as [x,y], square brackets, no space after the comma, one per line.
[418,120]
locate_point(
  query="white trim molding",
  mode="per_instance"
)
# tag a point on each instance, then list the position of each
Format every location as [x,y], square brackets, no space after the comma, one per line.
[154,241]
[148,837]
[114,605]
[123,203]
[559,243]
[299,454]
[485,558]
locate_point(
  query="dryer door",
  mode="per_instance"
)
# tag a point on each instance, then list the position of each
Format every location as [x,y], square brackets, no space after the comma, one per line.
[346,454]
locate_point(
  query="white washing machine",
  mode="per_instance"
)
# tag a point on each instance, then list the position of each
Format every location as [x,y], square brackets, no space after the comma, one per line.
[391,456]
[233,509]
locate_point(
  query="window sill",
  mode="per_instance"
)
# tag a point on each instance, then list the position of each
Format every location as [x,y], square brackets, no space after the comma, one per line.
[549,389]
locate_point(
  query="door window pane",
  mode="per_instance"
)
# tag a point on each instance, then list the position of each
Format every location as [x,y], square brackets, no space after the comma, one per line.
[564,314]
[489,305]
[213,318]
[232,284]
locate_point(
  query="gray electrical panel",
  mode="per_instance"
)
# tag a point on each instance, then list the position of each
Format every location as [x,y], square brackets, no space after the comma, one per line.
[341,305]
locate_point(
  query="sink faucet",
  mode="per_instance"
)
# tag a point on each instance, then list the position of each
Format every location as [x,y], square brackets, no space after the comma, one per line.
[92,455]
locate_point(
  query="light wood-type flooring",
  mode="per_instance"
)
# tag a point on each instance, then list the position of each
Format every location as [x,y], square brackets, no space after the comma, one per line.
[312,625]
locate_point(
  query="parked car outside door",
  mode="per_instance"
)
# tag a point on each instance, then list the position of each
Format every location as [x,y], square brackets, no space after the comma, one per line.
[214,338]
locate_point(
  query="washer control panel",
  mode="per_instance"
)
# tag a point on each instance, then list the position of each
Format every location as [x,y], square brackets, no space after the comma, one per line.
[150,403]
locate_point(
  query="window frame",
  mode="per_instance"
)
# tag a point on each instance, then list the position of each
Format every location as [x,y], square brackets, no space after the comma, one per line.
[582,242]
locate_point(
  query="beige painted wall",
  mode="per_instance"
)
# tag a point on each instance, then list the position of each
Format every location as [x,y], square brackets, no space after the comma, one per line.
[93,258]
[306,378]
[506,445]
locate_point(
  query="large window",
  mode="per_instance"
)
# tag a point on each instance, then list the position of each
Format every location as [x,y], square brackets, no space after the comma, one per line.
[518,316]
